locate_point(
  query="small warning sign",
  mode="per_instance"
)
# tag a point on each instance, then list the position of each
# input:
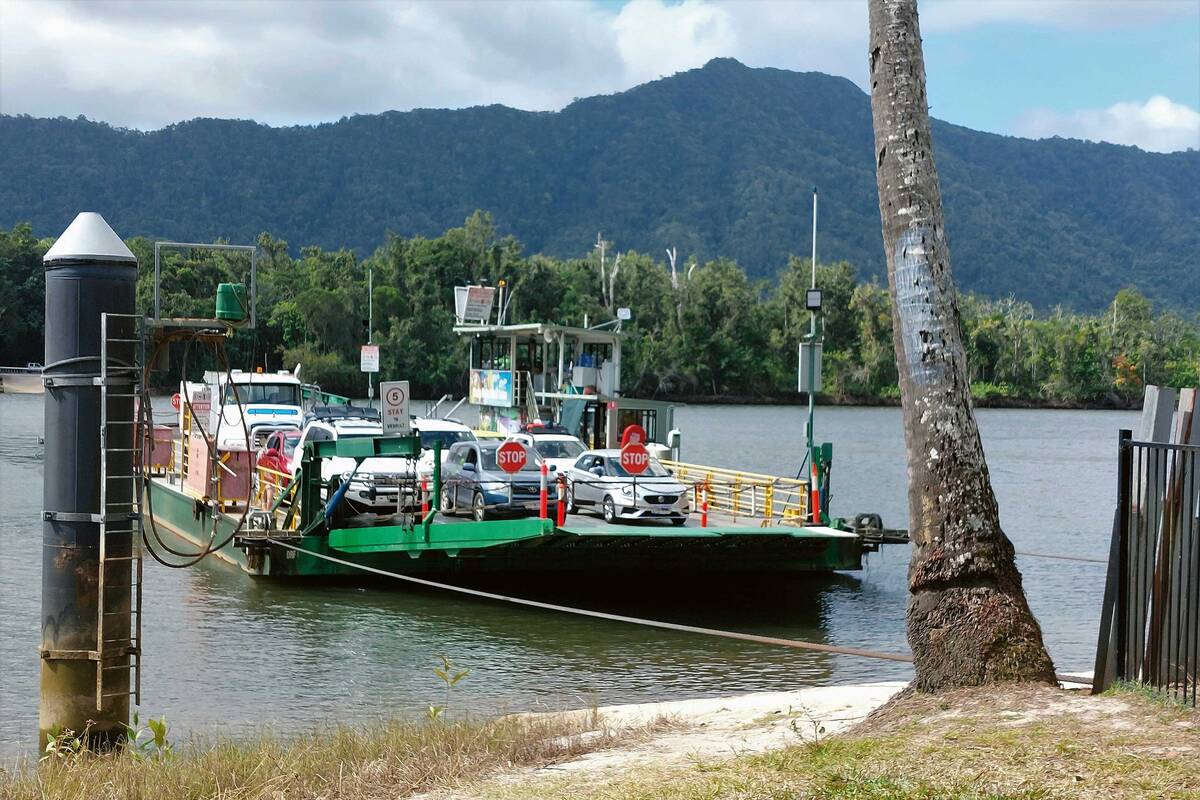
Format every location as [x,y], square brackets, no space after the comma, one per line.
[395,408]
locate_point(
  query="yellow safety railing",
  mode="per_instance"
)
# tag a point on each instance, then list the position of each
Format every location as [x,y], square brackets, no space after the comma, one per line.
[268,485]
[770,498]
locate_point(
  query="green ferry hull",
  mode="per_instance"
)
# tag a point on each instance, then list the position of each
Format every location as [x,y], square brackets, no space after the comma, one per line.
[452,549]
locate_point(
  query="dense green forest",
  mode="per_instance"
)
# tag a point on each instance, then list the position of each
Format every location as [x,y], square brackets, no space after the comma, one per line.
[713,334]
[717,161]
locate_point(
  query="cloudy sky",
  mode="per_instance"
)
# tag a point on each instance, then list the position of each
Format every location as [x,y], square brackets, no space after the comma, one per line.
[1120,71]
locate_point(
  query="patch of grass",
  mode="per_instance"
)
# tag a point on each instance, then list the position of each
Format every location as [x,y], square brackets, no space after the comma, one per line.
[1146,692]
[394,759]
[995,743]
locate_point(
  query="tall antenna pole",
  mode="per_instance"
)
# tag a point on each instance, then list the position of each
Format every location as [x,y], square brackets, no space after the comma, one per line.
[371,331]
[814,246]
[812,335]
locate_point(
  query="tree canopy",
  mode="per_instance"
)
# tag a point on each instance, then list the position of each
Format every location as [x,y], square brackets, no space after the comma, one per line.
[716,333]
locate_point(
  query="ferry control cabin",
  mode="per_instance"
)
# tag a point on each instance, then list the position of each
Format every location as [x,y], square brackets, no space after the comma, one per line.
[540,371]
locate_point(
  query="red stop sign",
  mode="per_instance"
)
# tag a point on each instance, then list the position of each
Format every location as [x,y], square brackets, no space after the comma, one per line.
[175,401]
[511,456]
[633,434]
[634,459]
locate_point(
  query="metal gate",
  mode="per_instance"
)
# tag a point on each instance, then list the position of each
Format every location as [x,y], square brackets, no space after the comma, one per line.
[1149,631]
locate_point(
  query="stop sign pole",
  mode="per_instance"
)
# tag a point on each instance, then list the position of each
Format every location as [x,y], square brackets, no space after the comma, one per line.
[634,460]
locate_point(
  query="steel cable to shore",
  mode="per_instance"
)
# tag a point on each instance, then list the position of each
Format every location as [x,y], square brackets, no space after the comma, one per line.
[1056,557]
[796,644]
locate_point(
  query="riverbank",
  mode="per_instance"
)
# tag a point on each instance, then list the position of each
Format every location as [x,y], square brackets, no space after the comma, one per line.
[980,397]
[1008,741]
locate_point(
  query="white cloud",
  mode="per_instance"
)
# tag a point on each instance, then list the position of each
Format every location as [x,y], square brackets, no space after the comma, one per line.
[656,39]
[148,63]
[1157,124]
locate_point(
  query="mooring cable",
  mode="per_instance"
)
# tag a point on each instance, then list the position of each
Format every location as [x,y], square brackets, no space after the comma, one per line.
[650,623]
[1056,557]
[671,626]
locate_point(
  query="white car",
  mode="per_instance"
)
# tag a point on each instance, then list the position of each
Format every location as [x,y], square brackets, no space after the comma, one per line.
[376,485]
[445,431]
[598,481]
[559,450]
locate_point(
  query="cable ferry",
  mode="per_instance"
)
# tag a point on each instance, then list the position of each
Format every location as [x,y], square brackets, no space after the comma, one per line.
[440,499]
[563,475]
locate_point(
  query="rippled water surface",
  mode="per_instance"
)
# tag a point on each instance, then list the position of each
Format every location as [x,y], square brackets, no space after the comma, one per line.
[228,654]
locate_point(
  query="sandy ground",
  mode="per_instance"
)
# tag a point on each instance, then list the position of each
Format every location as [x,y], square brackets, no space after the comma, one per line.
[706,729]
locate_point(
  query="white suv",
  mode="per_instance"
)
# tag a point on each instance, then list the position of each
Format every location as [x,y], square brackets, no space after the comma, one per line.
[559,450]
[378,481]
[447,432]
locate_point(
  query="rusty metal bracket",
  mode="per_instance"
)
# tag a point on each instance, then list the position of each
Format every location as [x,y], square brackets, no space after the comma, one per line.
[68,655]
[87,655]
[84,516]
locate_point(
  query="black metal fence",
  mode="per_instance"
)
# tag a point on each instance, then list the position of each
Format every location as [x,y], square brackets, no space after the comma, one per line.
[1150,627]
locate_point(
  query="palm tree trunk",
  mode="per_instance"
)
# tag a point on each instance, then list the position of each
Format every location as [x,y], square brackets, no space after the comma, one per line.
[968,621]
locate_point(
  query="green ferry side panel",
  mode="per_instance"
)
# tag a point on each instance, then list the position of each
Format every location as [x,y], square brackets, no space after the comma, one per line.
[450,537]
[521,547]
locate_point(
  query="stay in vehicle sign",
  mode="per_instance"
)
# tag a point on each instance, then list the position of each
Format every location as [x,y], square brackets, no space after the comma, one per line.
[634,459]
[511,456]
[394,395]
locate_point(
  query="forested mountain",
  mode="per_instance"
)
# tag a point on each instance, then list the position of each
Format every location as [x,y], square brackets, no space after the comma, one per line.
[717,162]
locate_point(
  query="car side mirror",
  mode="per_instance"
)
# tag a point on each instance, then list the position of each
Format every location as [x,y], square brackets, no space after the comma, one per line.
[468,467]
[597,471]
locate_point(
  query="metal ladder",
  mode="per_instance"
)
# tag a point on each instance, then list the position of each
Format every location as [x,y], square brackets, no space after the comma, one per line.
[119,648]
[523,394]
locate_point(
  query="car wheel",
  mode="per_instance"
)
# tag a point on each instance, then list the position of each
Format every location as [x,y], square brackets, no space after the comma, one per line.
[479,508]
[571,507]
[446,502]
[678,521]
[610,510]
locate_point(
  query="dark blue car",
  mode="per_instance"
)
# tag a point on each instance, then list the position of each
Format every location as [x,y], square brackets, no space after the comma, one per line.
[473,482]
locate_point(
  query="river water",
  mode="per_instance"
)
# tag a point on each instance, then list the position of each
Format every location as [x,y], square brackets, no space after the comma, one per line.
[227,655]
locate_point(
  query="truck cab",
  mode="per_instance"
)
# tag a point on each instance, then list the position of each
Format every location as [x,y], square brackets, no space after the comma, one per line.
[265,401]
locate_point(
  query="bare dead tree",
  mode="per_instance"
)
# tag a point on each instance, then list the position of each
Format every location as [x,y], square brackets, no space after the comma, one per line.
[968,620]
[612,283]
[602,247]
